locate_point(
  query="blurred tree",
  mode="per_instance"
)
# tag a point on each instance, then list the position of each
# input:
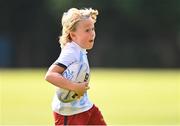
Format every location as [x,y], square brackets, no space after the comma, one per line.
[132,33]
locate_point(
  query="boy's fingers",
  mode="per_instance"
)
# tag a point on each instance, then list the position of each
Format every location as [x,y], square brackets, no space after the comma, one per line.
[87,87]
[86,83]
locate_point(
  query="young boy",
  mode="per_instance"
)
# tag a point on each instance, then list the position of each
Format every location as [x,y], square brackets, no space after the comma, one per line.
[78,35]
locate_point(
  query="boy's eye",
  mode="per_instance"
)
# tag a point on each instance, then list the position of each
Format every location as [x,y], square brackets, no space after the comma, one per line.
[87,30]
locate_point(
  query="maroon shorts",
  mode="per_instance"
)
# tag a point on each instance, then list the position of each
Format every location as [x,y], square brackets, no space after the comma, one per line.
[90,117]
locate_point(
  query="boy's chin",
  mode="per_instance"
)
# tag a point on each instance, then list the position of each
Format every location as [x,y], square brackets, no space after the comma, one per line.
[90,47]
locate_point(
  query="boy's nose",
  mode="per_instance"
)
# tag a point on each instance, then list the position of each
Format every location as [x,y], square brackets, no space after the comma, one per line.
[93,34]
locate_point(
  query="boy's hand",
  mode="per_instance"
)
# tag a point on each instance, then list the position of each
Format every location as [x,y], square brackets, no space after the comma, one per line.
[81,88]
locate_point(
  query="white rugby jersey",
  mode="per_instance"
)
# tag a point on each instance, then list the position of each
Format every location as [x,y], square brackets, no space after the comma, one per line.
[72,52]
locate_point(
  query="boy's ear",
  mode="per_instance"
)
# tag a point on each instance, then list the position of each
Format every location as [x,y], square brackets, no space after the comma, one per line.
[72,35]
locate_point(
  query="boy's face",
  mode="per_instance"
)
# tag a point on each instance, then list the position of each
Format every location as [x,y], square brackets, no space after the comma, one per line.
[84,34]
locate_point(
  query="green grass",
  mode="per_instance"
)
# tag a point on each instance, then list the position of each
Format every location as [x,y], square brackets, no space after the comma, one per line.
[124,96]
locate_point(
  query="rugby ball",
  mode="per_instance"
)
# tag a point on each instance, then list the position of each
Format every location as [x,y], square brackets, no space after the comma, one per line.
[76,72]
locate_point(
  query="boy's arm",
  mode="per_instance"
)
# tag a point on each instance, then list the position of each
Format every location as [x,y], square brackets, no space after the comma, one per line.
[54,76]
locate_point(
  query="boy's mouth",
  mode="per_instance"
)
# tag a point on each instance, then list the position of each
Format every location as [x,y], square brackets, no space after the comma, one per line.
[91,41]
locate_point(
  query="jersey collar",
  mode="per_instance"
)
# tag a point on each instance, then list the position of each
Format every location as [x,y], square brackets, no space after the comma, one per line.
[83,50]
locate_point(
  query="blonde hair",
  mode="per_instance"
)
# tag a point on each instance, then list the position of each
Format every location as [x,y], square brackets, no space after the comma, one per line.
[71,18]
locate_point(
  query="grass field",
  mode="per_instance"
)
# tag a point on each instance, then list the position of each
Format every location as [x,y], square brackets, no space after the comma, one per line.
[124,96]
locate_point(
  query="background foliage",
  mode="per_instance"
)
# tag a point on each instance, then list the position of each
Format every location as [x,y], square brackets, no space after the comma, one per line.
[130,33]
